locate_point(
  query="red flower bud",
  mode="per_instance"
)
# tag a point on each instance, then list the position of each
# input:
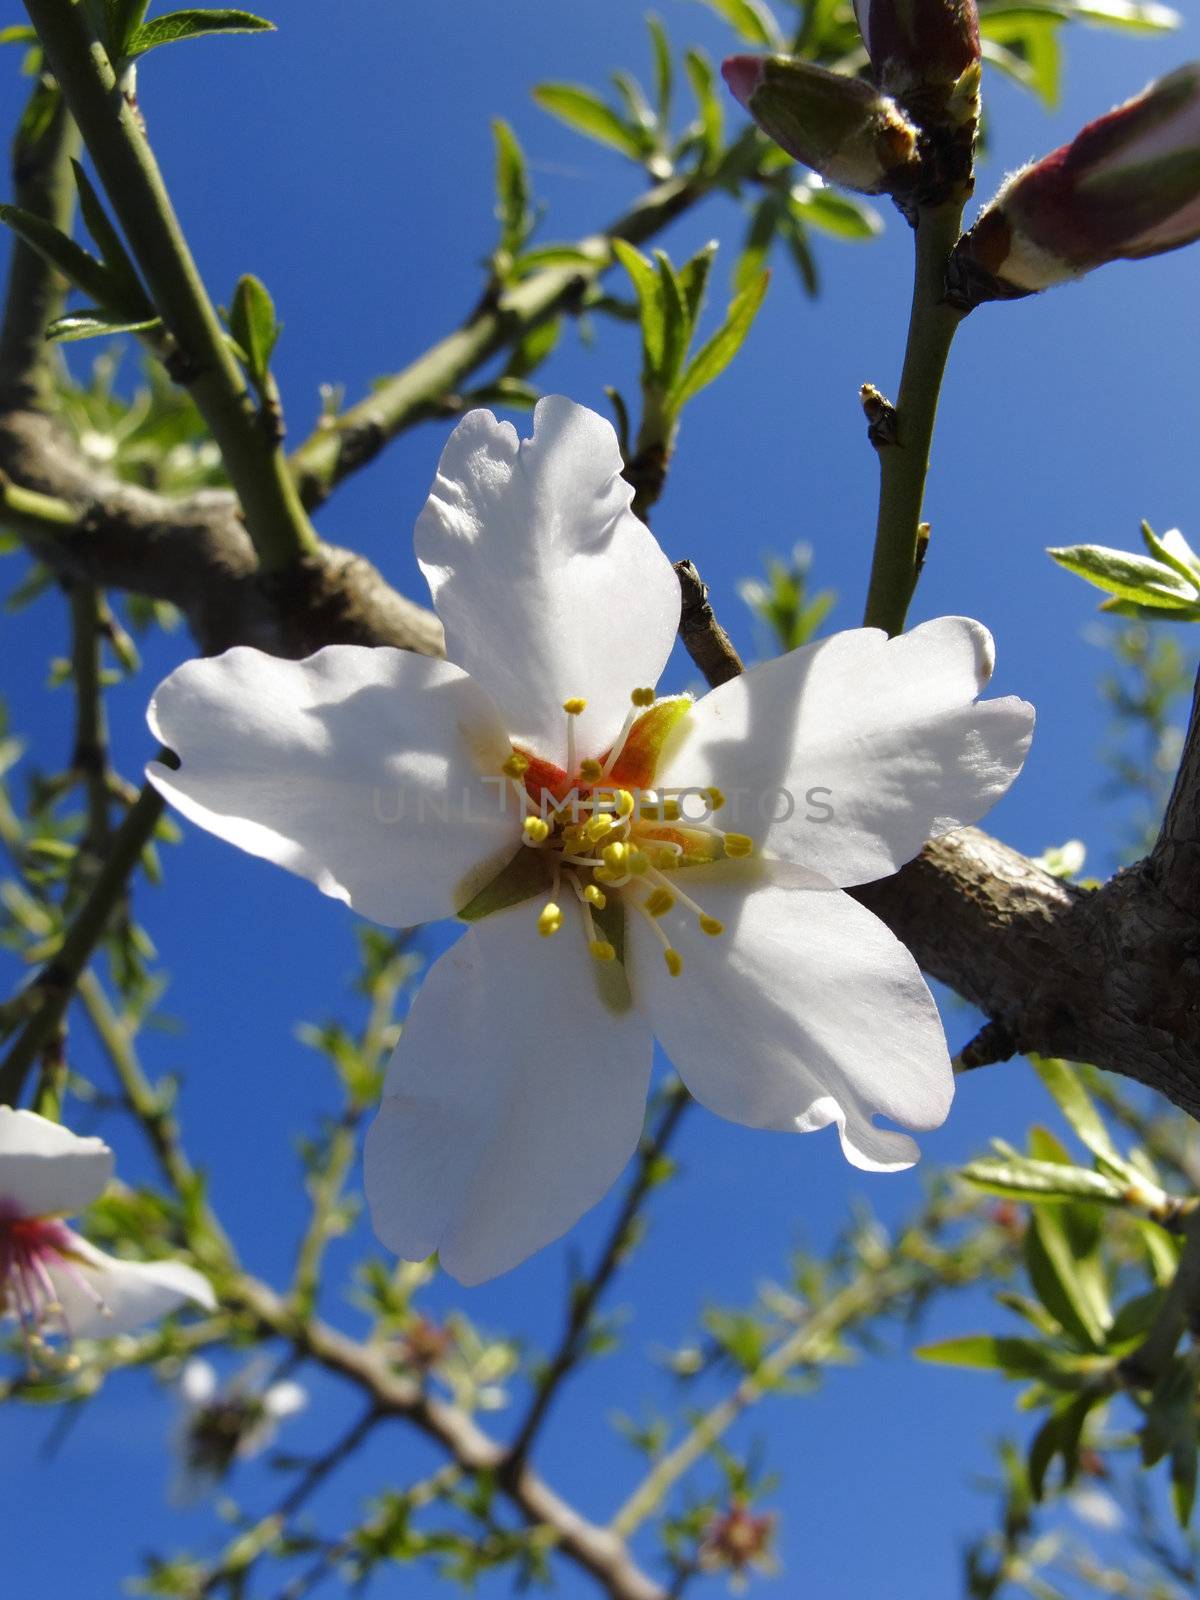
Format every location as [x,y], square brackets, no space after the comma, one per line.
[841,127]
[919,45]
[1127,186]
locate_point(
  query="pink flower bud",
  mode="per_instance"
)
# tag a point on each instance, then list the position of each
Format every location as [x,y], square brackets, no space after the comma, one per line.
[1127,186]
[841,127]
[919,45]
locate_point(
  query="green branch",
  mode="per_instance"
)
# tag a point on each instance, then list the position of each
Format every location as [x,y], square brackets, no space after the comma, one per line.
[45,143]
[257,468]
[904,460]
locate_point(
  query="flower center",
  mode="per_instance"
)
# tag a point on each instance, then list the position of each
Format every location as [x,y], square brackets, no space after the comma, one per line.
[609,837]
[29,1247]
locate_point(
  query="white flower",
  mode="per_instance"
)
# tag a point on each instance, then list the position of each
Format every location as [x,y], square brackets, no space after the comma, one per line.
[409,789]
[224,1423]
[51,1279]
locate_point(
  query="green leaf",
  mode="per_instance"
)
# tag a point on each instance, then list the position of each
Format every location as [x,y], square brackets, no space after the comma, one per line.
[664,73]
[178,25]
[124,18]
[1065,1286]
[712,117]
[1060,1435]
[1129,577]
[648,288]
[559,255]
[712,358]
[1024,1179]
[677,324]
[1078,1107]
[1024,44]
[523,877]
[584,111]
[252,323]
[1130,14]
[512,188]
[1178,554]
[693,280]
[760,235]
[18,33]
[1016,1358]
[112,249]
[91,323]
[752,19]
[71,259]
[837,214]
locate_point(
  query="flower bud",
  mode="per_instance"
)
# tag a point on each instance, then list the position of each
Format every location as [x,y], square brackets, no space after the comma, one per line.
[841,127]
[920,45]
[1127,186]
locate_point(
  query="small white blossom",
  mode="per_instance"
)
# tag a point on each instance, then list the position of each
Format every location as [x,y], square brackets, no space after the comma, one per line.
[633,867]
[51,1279]
[224,1423]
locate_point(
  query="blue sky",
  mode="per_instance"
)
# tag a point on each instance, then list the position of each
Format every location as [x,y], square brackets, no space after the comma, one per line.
[349,165]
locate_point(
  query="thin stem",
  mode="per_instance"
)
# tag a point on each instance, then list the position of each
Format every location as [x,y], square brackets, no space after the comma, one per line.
[904,464]
[257,468]
[583,1300]
[34,515]
[51,990]
[43,184]
[89,758]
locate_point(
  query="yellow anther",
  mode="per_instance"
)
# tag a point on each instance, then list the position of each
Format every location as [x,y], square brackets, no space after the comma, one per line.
[595,897]
[638,862]
[602,950]
[625,803]
[738,845]
[550,920]
[614,854]
[711,926]
[659,902]
[516,766]
[604,875]
[596,829]
[715,798]
[642,697]
[575,707]
[662,811]
[590,770]
[537,829]
[674,962]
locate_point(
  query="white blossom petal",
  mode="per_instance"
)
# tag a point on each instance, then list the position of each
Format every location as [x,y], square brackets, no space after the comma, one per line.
[102,1296]
[513,1100]
[548,586]
[45,1169]
[373,772]
[845,756]
[197,1383]
[806,1010]
[284,1399]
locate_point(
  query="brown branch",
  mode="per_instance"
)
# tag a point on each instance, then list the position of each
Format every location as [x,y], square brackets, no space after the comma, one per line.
[1176,855]
[596,1550]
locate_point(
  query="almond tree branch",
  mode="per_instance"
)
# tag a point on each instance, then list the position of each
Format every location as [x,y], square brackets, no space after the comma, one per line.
[257,468]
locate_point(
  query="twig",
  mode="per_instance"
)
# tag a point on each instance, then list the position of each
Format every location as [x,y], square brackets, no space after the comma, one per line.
[112,132]
[585,1296]
[50,992]
[704,639]
[904,460]
[42,184]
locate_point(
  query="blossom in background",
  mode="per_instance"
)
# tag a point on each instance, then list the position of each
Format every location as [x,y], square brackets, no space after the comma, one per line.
[224,1423]
[1127,186]
[632,866]
[51,1279]
[739,1541]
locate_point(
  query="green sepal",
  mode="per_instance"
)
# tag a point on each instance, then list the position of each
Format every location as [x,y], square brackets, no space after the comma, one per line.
[524,877]
[612,980]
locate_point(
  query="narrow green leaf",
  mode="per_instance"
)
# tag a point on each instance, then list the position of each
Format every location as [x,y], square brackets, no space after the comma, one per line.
[677,323]
[1025,44]
[91,323]
[1058,1280]
[1129,577]
[837,214]
[18,33]
[557,255]
[71,259]
[1060,1435]
[124,18]
[693,279]
[1173,551]
[712,358]
[111,246]
[179,25]
[1130,14]
[512,188]
[1024,1179]
[585,112]
[752,19]
[651,310]
[1016,1358]
[1077,1106]
[760,236]
[712,117]
[664,73]
[252,323]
